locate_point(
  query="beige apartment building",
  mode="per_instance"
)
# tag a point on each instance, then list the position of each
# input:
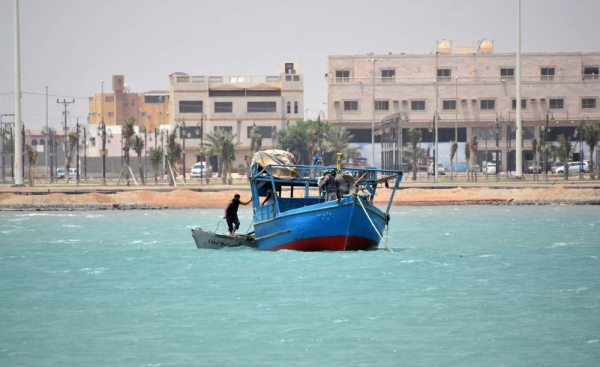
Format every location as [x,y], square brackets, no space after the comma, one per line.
[200,104]
[474,91]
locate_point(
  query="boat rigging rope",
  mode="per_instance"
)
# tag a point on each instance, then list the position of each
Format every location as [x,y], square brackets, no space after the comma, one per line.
[375,228]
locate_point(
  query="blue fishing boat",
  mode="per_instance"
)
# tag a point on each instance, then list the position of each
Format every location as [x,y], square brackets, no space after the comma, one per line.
[300,218]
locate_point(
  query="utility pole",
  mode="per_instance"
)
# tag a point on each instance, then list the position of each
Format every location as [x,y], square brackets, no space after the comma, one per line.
[65,103]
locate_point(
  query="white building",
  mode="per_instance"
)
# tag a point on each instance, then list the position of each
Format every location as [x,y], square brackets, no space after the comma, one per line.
[474,91]
[235,104]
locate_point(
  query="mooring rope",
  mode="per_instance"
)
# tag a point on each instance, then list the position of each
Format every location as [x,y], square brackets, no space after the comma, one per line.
[375,228]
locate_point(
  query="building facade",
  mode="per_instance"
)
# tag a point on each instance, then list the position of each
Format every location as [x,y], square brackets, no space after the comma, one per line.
[473,91]
[201,104]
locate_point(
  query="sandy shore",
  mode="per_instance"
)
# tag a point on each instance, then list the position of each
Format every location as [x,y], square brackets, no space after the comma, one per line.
[38,199]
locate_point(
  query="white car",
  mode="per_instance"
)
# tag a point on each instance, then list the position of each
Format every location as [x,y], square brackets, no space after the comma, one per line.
[574,167]
[200,170]
[441,169]
[72,173]
[489,168]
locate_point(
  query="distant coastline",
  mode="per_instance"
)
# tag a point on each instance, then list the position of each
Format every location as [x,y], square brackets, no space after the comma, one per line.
[160,198]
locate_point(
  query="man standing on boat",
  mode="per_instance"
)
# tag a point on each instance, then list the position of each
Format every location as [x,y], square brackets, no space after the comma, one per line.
[329,186]
[231,213]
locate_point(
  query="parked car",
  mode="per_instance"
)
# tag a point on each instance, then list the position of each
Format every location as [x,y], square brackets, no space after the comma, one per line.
[200,170]
[574,167]
[489,168]
[440,169]
[72,173]
[532,167]
[555,166]
[60,173]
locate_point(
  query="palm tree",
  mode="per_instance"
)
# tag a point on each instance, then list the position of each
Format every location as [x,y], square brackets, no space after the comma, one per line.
[255,139]
[591,137]
[126,133]
[414,138]
[473,147]
[227,155]
[174,151]
[137,144]
[155,155]
[215,143]
[453,149]
[564,151]
[534,149]
[32,158]
[468,159]
[337,139]
[73,138]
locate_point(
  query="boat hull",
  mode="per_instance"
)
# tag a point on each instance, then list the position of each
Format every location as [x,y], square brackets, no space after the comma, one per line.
[211,240]
[330,226]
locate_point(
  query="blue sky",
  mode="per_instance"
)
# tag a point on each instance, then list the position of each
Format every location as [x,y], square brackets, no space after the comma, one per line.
[72,45]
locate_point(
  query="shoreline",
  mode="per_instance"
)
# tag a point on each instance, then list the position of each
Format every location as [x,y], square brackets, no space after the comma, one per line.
[169,198]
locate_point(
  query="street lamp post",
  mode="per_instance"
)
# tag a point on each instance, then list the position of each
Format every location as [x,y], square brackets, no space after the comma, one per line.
[86,136]
[545,143]
[76,130]
[103,132]
[182,134]
[435,120]
[583,119]
[163,132]
[373,114]
[202,148]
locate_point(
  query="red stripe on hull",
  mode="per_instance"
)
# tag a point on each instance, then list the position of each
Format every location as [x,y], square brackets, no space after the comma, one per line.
[333,243]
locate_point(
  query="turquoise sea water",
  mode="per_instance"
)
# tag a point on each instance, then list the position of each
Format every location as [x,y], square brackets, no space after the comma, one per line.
[466,286]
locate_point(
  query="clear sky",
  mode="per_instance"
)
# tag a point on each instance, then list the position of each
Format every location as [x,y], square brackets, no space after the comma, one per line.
[72,45]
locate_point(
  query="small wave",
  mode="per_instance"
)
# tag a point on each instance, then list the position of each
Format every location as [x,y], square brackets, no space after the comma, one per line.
[561,244]
[483,256]
[410,261]
[66,241]
[46,215]
[93,271]
[593,341]
[92,216]
[18,219]
[71,226]
[341,320]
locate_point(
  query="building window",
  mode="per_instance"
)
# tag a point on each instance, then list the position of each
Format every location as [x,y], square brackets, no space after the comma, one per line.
[125,103]
[133,102]
[487,104]
[262,106]
[265,131]
[523,104]
[223,107]
[507,74]
[154,99]
[382,105]
[449,105]
[547,74]
[350,105]
[296,107]
[444,75]
[289,107]
[190,107]
[557,103]
[342,76]
[588,103]
[111,114]
[388,76]
[109,99]
[417,105]
[590,73]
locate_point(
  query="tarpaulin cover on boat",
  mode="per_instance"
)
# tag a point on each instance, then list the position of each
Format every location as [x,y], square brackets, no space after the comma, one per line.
[276,157]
